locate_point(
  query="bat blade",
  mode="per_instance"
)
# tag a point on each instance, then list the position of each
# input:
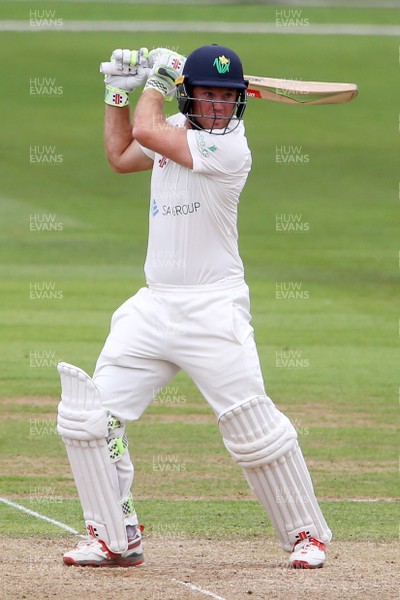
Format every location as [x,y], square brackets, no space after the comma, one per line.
[293,91]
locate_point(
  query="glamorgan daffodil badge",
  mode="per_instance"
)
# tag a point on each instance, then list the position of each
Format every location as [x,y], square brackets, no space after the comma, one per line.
[222,64]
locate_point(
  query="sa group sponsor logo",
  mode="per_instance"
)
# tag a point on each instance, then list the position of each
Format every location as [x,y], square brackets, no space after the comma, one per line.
[180,209]
[174,210]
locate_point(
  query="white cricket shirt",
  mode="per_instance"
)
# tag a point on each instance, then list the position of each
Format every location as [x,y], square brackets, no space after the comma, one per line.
[193,238]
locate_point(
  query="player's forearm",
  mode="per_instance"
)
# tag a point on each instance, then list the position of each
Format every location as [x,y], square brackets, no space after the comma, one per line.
[152,131]
[149,121]
[117,135]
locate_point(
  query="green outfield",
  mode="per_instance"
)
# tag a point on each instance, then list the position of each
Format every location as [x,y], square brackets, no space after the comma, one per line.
[318,234]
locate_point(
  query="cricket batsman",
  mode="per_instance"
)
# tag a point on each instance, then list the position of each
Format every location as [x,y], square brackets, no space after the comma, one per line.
[193,314]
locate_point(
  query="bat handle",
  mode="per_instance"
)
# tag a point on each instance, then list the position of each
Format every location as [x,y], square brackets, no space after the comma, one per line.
[109,68]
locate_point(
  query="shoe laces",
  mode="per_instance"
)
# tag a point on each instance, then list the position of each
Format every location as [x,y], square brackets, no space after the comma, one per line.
[309,543]
[87,541]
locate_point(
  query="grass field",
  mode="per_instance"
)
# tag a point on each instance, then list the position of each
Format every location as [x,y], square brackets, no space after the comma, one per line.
[73,240]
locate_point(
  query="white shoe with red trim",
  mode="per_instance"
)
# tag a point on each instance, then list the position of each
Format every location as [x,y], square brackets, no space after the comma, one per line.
[307,554]
[94,553]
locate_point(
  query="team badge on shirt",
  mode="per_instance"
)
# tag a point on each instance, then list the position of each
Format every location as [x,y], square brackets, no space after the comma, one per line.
[202,145]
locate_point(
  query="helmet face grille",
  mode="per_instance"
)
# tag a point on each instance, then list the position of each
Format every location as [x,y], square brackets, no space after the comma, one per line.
[230,120]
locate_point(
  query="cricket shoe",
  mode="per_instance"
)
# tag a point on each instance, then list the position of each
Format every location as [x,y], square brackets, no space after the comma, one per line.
[94,553]
[307,554]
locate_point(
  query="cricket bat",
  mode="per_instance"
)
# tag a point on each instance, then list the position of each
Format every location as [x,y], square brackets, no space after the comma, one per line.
[291,91]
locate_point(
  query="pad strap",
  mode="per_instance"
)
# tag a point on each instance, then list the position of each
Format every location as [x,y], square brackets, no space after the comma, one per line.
[116,447]
[128,508]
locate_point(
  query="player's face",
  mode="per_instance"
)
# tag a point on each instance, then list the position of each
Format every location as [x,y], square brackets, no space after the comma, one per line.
[213,107]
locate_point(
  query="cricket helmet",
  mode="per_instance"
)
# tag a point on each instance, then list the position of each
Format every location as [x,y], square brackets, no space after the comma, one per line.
[211,66]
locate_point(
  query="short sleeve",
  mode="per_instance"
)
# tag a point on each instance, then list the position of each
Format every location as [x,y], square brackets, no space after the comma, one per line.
[150,153]
[215,154]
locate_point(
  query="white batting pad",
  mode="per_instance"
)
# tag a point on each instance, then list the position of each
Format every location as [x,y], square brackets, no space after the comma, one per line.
[84,427]
[264,443]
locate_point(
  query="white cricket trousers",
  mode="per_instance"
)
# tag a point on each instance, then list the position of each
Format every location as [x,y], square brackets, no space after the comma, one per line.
[204,330]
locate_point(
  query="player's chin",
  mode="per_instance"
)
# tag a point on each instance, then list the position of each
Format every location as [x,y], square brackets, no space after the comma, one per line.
[212,123]
[220,123]
[208,122]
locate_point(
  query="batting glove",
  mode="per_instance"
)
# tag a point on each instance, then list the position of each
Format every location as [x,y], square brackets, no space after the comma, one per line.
[166,66]
[134,71]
